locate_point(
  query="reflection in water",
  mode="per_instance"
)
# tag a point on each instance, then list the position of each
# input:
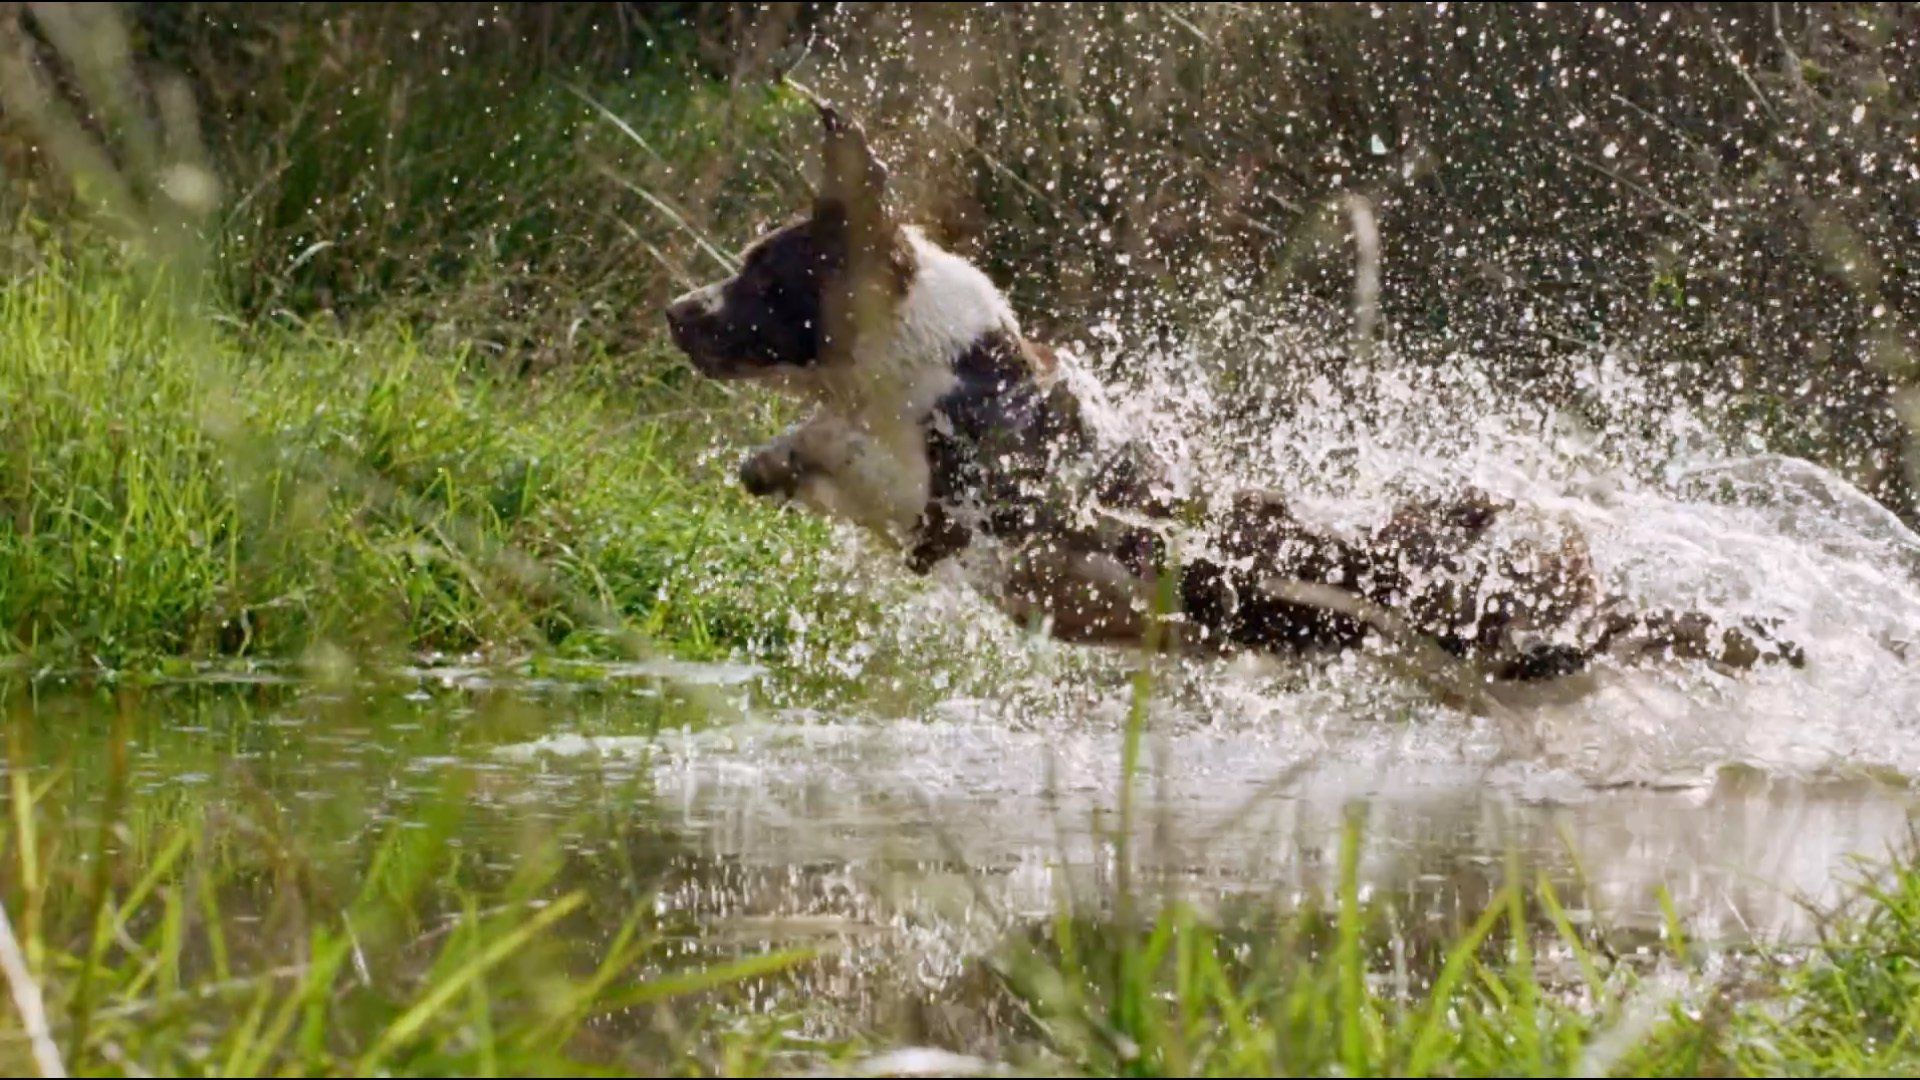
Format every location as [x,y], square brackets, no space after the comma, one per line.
[1005,821]
[909,849]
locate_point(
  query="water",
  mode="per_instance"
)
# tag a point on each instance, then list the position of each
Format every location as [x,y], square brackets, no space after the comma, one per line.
[908,847]
[1026,818]
[1747,798]
[969,783]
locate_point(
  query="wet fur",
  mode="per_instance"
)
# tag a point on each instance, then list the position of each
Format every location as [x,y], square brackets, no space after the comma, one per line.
[937,426]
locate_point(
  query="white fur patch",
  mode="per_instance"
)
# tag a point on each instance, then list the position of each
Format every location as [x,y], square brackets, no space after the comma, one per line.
[950,304]
[849,475]
[869,439]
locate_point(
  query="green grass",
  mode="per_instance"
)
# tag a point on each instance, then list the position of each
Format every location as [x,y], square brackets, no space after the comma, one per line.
[314,905]
[1855,1009]
[241,929]
[176,487]
[1353,992]
[402,389]
[1518,991]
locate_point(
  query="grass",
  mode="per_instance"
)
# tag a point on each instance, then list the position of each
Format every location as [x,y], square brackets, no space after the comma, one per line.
[233,933]
[566,203]
[1855,1009]
[1517,991]
[295,423]
[1300,996]
[1307,992]
[177,488]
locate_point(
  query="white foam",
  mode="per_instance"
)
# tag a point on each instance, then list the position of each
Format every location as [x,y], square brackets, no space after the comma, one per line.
[1675,518]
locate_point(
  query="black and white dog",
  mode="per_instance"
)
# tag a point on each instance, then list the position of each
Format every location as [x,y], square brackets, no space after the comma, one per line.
[941,429]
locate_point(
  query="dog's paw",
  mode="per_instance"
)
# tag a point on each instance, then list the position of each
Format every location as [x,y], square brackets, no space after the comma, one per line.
[771,473]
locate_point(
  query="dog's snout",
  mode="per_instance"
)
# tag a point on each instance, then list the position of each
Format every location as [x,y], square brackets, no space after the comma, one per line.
[686,314]
[679,314]
[682,316]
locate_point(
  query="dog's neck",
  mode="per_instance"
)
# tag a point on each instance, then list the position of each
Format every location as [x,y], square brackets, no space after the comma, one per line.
[892,383]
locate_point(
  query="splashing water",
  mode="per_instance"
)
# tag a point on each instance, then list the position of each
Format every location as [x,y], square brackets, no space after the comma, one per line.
[1019,756]
[1674,518]
[920,841]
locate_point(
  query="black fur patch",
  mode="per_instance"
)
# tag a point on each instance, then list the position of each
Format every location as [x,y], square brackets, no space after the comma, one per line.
[773,313]
[994,443]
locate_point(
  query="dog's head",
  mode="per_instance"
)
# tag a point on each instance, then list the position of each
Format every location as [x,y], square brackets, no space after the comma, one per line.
[806,292]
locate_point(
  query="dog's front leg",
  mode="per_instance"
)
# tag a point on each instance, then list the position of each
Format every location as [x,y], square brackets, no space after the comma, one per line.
[799,465]
[773,471]
[834,469]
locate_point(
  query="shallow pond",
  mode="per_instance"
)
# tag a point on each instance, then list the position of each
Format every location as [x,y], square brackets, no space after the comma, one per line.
[908,848]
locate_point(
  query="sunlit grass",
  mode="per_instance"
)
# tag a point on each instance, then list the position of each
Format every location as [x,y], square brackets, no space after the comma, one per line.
[177,488]
[1516,991]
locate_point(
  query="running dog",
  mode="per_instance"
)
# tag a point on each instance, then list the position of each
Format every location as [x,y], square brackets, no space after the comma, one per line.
[941,429]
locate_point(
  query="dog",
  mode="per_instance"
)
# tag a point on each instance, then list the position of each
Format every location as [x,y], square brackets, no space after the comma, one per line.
[939,428]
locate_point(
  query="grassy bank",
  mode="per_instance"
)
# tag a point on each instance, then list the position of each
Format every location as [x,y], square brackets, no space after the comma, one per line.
[179,487]
[388,378]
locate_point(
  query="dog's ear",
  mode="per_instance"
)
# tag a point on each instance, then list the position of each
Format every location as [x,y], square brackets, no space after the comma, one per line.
[854,181]
[853,197]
